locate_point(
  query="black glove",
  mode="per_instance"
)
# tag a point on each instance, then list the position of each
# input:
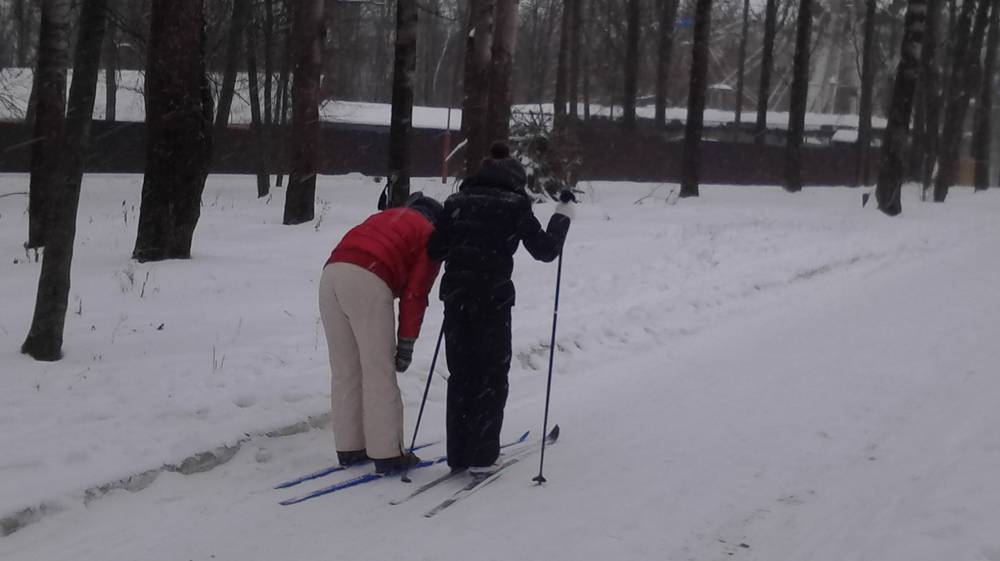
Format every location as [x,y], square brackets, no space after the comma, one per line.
[566,195]
[404,354]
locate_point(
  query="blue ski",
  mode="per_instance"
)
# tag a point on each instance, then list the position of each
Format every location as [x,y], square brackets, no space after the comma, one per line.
[327,471]
[355,481]
[372,476]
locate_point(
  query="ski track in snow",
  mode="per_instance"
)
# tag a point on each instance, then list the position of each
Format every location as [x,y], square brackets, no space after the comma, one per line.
[750,375]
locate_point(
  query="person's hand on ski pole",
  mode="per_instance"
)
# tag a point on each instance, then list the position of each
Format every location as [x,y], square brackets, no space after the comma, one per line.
[567,196]
[567,200]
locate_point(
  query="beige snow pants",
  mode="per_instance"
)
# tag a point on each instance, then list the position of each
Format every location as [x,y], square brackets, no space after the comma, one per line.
[356,307]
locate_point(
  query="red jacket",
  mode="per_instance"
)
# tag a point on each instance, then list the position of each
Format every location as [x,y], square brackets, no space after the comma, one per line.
[393,245]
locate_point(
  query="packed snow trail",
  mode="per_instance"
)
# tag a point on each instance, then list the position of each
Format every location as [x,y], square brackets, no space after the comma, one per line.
[850,416]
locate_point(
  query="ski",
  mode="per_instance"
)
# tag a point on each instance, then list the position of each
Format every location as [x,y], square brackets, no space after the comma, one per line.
[367,478]
[477,484]
[355,481]
[435,482]
[332,469]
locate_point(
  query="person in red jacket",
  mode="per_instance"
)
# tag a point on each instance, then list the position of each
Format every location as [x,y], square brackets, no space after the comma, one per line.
[382,259]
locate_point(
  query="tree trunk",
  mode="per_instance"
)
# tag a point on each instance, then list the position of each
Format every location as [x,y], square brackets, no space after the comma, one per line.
[964,79]
[400,126]
[665,46]
[540,26]
[931,72]
[562,68]
[742,63]
[631,63]
[946,62]
[268,67]
[241,11]
[300,199]
[799,99]
[445,70]
[586,59]
[29,113]
[766,66]
[383,39]
[45,336]
[502,64]
[50,112]
[22,18]
[327,88]
[259,146]
[110,72]
[280,136]
[475,103]
[573,78]
[867,85]
[178,131]
[995,152]
[982,133]
[918,131]
[890,176]
[691,159]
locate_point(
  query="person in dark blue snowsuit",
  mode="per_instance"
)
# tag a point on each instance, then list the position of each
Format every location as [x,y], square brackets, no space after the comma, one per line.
[476,237]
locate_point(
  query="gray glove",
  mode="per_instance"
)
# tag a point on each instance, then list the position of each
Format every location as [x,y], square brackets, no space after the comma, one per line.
[404,354]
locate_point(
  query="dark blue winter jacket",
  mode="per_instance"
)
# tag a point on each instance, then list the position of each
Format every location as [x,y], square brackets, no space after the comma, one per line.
[478,233]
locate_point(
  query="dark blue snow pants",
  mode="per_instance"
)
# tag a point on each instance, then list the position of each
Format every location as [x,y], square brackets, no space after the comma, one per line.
[478,350]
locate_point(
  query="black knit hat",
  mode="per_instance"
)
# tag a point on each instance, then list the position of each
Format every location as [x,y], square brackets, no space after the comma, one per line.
[499,150]
[425,205]
[501,161]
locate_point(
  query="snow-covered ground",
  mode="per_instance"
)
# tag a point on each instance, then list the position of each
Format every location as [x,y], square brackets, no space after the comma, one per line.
[130,106]
[752,375]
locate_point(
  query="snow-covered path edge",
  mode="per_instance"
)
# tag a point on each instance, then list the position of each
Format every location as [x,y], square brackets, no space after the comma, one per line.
[199,462]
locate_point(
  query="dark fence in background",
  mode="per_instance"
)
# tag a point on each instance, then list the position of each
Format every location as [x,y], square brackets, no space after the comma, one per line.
[608,153]
[121,148]
[612,153]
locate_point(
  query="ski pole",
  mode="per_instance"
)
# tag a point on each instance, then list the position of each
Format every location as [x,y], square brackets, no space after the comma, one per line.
[539,479]
[430,375]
